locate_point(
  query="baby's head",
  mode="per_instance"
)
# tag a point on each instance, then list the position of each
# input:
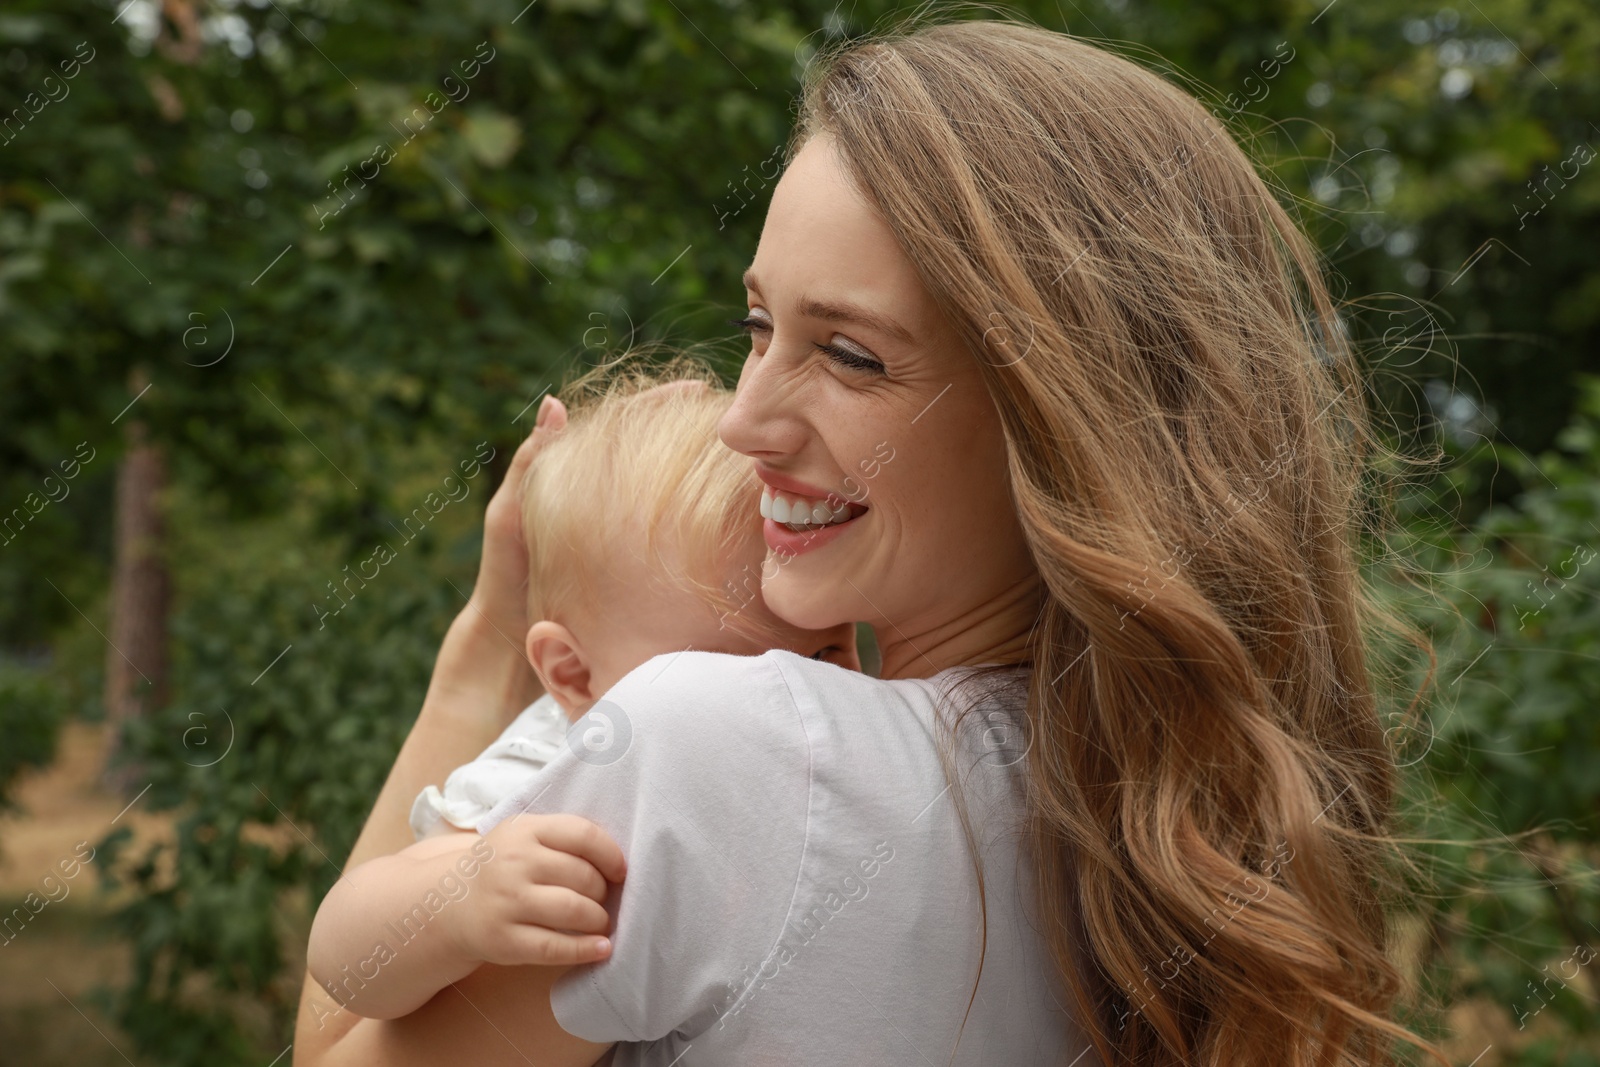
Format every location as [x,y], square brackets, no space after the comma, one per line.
[640,538]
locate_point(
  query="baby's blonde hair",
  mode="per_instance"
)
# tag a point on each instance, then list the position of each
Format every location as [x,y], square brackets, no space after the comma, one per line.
[638,475]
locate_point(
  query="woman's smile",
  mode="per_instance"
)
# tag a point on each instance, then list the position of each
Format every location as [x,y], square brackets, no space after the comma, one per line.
[799,516]
[788,539]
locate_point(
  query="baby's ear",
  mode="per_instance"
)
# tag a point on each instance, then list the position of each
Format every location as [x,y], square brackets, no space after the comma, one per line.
[561,664]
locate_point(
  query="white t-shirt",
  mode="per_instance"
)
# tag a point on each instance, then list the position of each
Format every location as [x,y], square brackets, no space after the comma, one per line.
[799,887]
[473,789]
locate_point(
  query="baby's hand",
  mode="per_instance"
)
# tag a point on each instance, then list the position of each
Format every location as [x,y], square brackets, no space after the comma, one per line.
[547,875]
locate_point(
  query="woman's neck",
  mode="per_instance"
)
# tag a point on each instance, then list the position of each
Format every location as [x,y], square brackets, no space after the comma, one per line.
[998,631]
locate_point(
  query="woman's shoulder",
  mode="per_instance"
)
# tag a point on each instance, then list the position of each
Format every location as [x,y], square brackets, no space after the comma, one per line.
[706,683]
[708,703]
[704,704]
[701,711]
[693,684]
[952,694]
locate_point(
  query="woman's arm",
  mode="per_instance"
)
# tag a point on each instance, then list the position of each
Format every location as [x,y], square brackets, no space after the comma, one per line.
[494,1017]
[481,678]
[474,691]
[377,946]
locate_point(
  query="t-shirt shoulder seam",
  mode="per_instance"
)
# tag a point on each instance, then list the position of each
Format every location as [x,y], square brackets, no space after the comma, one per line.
[594,984]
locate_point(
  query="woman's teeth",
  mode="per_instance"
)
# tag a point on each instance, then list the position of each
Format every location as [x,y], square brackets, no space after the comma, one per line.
[800,514]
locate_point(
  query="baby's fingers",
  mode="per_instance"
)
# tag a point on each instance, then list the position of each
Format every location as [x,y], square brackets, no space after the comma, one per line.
[561,909]
[558,868]
[534,945]
[582,838]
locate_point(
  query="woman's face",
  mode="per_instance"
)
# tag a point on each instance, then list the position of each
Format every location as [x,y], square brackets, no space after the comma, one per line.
[867,417]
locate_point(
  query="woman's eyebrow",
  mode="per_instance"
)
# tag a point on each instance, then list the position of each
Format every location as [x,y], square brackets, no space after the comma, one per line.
[842,311]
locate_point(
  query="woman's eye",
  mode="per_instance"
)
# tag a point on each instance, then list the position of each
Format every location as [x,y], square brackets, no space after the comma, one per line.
[847,358]
[844,357]
[823,652]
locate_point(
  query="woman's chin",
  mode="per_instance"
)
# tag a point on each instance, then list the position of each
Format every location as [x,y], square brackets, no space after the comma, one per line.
[808,603]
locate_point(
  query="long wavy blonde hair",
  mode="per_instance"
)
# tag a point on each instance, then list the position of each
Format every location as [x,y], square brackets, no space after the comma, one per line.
[1208,781]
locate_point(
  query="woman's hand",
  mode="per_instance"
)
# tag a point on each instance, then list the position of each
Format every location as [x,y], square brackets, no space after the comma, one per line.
[500,597]
[548,874]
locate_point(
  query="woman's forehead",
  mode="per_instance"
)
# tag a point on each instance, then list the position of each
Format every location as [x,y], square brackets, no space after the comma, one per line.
[824,245]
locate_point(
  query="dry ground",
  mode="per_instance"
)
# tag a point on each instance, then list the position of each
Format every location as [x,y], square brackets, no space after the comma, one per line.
[50,966]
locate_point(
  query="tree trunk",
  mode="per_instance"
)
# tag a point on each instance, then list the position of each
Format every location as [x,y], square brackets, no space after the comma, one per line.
[136,662]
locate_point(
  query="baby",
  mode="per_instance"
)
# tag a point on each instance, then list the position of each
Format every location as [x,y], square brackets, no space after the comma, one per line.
[640,543]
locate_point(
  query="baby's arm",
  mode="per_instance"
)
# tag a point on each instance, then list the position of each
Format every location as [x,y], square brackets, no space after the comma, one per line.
[396,930]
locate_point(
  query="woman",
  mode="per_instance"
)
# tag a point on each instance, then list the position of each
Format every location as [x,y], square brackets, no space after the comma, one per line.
[1126,436]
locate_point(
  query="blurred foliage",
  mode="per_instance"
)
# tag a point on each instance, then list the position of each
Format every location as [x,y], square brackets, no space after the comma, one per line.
[1501,782]
[303,754]
[30,714]
[337,285]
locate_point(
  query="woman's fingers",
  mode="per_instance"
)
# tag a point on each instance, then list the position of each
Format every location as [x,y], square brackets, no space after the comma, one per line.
[552,414]
[501,590]
[551,418]
[504,513]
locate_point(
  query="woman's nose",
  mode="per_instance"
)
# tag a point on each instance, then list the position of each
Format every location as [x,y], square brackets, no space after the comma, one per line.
[766,418]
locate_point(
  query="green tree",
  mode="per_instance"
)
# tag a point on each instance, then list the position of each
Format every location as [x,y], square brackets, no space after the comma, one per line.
[346,244]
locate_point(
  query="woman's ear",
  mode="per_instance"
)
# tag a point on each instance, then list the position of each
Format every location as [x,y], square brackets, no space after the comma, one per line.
[561,664]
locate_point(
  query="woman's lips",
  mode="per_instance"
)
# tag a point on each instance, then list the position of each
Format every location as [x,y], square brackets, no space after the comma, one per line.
[823,514]
[787,542]
[785,484]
